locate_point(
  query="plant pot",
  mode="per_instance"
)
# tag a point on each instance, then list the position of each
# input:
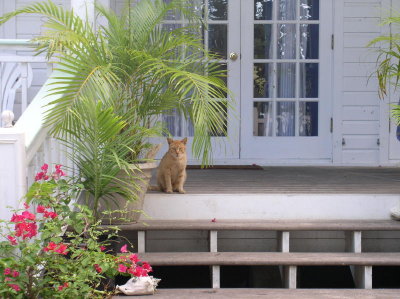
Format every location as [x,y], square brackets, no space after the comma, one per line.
[141,174]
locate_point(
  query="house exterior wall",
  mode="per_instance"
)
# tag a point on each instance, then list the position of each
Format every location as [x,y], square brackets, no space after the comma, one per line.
[360,120]
[362,128]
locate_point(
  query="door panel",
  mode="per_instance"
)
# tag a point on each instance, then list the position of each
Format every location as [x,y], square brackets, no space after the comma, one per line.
[285,102]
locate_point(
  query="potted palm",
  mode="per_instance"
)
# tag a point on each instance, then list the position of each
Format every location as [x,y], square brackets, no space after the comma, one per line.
[115,81]
[388,72]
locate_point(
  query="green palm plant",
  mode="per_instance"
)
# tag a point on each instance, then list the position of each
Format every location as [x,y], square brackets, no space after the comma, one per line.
[114,81]
[388,62]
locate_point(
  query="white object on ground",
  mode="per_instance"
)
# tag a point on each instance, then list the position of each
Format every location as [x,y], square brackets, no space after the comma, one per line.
[139,286]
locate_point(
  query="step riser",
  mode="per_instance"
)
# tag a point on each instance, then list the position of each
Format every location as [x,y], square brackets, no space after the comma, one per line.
[274,207]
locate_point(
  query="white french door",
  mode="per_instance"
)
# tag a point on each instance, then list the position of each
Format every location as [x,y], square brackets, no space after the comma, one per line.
[278,57]
[286,80]
[221,37]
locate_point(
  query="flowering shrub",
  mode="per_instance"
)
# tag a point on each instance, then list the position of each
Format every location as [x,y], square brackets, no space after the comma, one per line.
[51,247]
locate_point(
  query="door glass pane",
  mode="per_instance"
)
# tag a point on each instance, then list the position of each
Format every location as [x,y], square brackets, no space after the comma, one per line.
[286,79]
[217,39]
[172,120]
[222,67]
[309,9]
[262,119]
[285,116]
[263,9]
[309,80]
[309,41]
[217,9]
[220,109]
[287,10]
[262,41]
[262,80]
[308,119]
[286,41]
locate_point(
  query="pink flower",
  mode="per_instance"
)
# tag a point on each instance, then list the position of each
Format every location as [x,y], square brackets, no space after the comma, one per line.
[62,249]
[14,286]
[8,279]
[134,258]
[102,248]
[213,220]
[7,271]
[26,229]
[40,209]
[26,206]
[45,167]
[51,215]
[139,272]
[15,273]
[98,268]
[122,268]
[51,246]
[28,215]
[59,248]
[61,287]
[146,266]
[12,240]
[123,248]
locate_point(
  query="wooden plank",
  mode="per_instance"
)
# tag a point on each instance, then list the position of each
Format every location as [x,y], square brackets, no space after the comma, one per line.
[278,180]
[271,258]
[234,225]
[271,294]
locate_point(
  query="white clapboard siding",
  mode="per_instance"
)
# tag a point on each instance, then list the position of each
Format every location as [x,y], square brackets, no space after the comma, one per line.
[360,113]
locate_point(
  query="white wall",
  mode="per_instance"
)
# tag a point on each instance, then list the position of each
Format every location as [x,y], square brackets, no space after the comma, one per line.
[358,114]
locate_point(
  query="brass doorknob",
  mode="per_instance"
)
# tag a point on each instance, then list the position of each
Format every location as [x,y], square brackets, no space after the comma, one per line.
[233,56]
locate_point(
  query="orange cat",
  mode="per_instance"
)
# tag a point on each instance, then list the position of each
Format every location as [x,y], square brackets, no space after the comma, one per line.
[171,174]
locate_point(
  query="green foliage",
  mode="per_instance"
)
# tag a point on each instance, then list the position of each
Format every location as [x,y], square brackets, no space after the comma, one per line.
[154,70]
[59,251]
[388,62]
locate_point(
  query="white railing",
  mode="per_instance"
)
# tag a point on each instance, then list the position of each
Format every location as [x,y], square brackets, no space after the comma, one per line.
[25,146]
[18,67]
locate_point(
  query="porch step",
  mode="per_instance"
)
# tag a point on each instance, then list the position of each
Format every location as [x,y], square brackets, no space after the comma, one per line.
[272,294]
[271,259]
[278,225]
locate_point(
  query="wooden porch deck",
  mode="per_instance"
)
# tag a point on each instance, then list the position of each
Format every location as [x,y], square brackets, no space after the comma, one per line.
[294,180]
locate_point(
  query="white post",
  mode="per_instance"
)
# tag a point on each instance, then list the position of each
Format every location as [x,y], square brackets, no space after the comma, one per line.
[84,9]
[24,86]
[215,269]
[13,183]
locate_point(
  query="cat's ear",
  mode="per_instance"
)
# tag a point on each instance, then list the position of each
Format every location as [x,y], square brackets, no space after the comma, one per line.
[184,140]
[169,140]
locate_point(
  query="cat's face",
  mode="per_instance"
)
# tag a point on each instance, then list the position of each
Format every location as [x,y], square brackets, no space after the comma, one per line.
[177,148]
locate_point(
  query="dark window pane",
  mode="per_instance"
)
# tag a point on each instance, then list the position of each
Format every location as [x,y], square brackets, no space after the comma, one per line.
[308,119]
[262,41]
[309,41]
[309,9]
[309,80]
[262,119]
[262,80]
[217,39]
[217,9]
[263,9]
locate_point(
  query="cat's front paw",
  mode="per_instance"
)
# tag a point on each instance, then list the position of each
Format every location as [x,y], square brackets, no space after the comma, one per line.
[181,191]
[169,191]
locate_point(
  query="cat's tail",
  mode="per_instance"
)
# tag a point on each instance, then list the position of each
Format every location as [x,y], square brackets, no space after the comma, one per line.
[154,188]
